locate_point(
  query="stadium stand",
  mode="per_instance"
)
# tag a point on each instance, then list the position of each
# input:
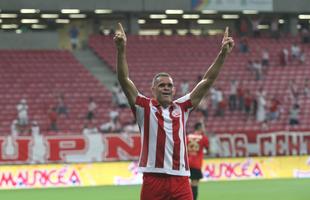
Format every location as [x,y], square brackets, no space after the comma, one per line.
[187,57]
[38,76]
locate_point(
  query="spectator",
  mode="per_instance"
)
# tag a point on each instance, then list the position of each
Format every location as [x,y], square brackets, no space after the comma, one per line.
[302,57]
[265,58]
[293,91]
[294,115]
[284,57]
[91,109]
[250,66]
[221,104]
[113,125]
[52,115]
[257,66]
[275,28]
[243,45]
[15,128]
[61,107]
[74,37]
[115,89]
[132,127]
[232,103]
[261,104]
[255,24]
[88,131]
[243,27]
[214,102]
[35,129]
[306,89]
[305,35]
[22,113]
[240,97]
[295,51]
[118,96]
[184,87]
[203,107]
[248,103]
[274,109]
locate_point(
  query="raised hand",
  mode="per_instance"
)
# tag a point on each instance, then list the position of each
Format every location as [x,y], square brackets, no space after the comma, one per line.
[120,37]
[227,42]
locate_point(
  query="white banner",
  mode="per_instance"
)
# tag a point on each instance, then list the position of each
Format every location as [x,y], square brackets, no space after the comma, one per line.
[115,147]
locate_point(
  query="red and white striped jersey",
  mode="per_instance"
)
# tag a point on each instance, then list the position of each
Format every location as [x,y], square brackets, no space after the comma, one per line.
[163,135]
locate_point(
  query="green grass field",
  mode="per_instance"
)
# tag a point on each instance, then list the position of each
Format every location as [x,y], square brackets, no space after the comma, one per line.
[285,189]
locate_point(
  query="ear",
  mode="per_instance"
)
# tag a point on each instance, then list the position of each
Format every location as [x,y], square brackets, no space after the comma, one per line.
[173,91]
[153,91]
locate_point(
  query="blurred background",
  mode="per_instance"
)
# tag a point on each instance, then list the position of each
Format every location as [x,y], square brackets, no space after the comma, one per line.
[65,121]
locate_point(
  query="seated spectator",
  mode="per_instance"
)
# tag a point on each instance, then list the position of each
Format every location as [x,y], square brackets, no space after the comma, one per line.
[294,115]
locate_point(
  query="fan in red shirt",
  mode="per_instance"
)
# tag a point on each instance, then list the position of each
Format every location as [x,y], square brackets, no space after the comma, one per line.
[196,142]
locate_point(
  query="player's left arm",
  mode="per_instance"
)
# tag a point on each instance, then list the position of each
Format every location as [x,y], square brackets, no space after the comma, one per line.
[210,76]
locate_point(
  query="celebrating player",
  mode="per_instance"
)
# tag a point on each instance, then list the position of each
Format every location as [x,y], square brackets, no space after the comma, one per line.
[162,121]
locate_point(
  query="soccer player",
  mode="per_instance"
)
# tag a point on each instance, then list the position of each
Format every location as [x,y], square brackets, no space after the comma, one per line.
[196,142]
[163,159]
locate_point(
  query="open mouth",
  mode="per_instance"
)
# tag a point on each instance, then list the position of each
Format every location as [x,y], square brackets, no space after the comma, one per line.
[166,93]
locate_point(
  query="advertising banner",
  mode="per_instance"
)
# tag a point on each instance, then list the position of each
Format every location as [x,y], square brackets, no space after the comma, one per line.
[126,173]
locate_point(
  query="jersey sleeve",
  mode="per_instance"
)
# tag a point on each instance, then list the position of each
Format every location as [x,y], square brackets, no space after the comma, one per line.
[141,103]
[185,102]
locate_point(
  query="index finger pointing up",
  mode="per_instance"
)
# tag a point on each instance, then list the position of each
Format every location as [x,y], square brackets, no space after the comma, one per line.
[226,31]
[120,28]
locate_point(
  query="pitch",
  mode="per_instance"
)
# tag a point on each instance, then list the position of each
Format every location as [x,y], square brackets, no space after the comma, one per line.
[282,189]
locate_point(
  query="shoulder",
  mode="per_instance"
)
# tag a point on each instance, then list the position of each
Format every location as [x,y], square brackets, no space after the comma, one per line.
[184,102]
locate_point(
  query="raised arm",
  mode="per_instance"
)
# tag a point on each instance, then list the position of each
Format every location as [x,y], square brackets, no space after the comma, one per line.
[203,86]
[127,85]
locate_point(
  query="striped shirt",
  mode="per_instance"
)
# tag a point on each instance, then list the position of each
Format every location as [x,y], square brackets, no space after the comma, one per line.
[163,137]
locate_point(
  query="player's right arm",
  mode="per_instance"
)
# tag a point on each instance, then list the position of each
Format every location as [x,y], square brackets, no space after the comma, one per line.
[127,85]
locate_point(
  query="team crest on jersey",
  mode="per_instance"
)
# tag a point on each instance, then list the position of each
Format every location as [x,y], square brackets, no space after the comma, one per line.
[176,113]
